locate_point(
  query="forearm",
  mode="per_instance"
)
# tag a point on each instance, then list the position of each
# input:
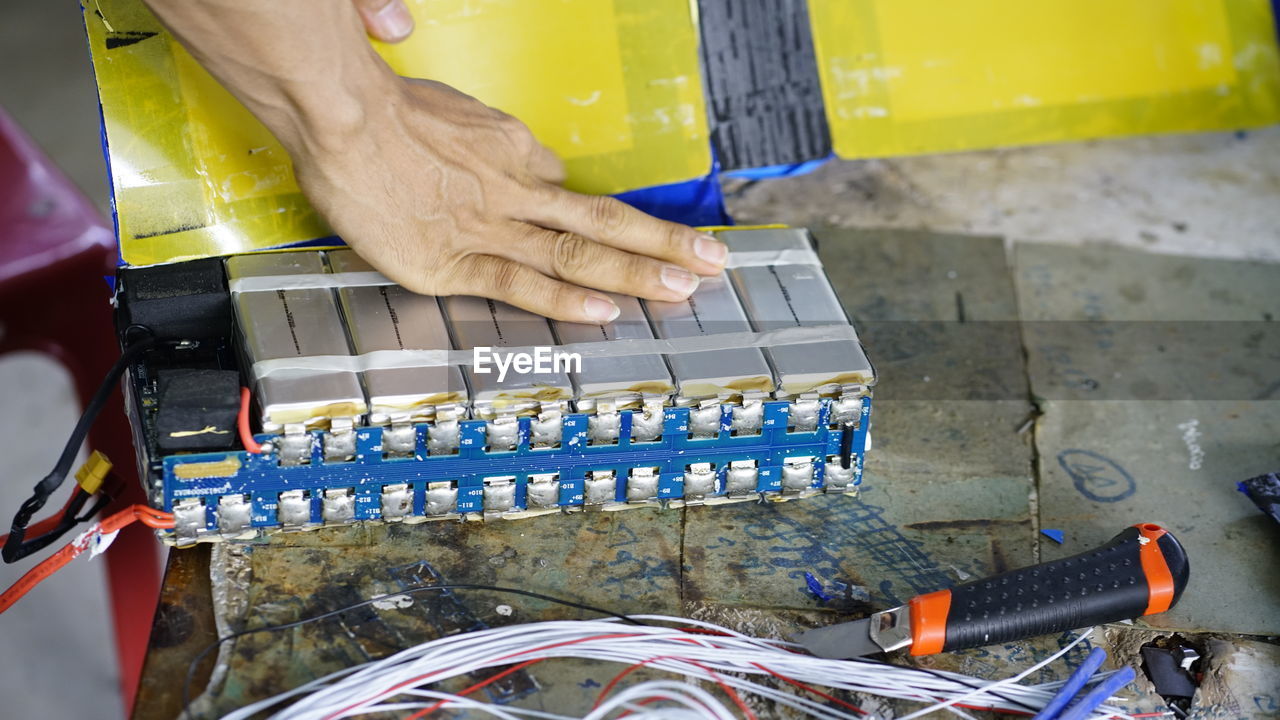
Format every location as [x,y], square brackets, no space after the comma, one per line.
[455,197]
[302,67]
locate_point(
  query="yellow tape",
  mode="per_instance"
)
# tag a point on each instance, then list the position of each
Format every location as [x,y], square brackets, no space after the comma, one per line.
[229,466]
[613,87]
[918,76]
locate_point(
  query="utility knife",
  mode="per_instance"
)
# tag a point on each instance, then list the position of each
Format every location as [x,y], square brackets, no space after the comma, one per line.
[1141,571]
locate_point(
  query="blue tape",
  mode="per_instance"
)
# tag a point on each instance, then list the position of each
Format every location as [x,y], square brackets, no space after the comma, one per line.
[695,202]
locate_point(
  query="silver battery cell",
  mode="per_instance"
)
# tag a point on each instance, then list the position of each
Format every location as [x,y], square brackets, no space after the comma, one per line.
[532,384]
[792,292]
[605,385]
[389,317]
[624,382]
[284,324]
[714,374]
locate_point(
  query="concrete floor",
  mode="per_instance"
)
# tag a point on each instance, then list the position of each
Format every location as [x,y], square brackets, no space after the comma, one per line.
[1210,195]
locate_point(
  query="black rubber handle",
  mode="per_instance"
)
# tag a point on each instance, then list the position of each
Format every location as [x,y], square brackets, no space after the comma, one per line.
[1141,571]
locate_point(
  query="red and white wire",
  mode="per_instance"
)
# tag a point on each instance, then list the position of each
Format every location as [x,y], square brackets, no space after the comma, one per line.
[733,660]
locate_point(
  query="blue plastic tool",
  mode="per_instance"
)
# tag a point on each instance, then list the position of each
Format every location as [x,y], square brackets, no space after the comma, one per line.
[1061,706]
[1073,685]
[1098,695]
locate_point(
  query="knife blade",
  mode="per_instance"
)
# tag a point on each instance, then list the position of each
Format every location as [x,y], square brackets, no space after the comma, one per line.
[1141,571]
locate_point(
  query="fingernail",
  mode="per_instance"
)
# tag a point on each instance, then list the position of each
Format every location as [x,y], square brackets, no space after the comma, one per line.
[393,21]
[710,249]
[600,309]
[680,280]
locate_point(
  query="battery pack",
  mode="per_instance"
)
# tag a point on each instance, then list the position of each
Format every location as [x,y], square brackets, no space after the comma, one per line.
[380,404]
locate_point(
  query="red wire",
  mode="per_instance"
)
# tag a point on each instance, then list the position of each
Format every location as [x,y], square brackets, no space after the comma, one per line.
[514,668]
[242,421]
[729,691]
[625,672]
[715,677]
[389,692]
[40,527]
[813,690]
[55,562]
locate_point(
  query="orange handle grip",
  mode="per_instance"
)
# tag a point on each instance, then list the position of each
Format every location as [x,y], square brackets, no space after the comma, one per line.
[1141,571]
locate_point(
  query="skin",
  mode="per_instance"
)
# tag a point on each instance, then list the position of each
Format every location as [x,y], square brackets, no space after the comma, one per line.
[440,192]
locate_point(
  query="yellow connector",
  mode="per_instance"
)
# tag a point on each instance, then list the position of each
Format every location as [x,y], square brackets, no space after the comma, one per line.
[93,472]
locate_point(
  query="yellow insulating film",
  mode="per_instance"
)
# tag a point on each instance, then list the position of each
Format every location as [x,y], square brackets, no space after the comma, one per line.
[916,76]
[193,174]
[614,87]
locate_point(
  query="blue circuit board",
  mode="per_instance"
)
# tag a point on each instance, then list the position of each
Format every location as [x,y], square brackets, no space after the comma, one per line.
[261,477]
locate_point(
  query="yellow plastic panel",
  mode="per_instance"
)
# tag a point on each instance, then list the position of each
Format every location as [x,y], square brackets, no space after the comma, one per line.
[578,108]
[916,76]
[613,86]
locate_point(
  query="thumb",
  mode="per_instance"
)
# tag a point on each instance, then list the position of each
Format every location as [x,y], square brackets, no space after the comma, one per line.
[385,20]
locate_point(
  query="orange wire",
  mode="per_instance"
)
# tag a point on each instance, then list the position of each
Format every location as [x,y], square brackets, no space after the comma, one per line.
[246,436]
[134,513]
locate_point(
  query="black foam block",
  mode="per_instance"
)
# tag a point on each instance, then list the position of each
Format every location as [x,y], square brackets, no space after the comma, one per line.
[197,409]
[179,301]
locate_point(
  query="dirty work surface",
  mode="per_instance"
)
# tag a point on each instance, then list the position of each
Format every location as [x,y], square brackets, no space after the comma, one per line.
[1159,379]
[951,494]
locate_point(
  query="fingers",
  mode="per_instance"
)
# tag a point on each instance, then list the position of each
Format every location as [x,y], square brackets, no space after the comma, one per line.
[619,225]
[386,20]
[520,285]
[543,164]
[584,262]
[546,165]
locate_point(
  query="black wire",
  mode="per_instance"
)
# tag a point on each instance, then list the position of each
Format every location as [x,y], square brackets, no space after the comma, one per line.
[14,548]
[68,521]
[191,667]
[97,508]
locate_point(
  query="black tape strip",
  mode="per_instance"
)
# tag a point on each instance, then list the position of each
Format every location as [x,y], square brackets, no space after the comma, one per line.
[765,99]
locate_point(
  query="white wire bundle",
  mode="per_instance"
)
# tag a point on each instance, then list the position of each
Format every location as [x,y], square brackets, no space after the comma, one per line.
[401,682]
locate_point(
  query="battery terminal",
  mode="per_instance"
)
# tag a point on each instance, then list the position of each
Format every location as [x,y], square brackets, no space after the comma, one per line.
[546,429]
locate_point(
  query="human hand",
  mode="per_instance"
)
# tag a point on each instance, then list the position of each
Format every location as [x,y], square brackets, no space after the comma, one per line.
[386,20]
[440,192]
[448,196]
